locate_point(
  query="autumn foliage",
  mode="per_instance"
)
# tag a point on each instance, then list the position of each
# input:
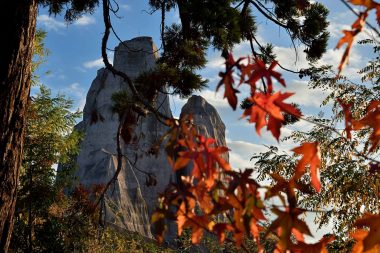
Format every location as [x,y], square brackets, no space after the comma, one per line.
[231,204]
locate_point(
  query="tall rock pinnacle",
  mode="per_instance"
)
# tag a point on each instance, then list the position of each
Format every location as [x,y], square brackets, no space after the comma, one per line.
[130,201]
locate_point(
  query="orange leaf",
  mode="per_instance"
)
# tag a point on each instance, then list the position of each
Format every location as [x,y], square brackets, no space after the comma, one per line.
[366,3]
[367,241]
[372,120]
[269,105]
[196,235]
[288,223]
[311,156]
[206,157]
[260,71]
[319,247]
[203,196]
[228,81]
[274,125]
[369,4]
[347,117]
[229,90]
[186,218]
[220,230]
[348,38]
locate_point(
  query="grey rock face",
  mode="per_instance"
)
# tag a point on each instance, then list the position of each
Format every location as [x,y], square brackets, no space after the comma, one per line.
[130,202]
[207,120]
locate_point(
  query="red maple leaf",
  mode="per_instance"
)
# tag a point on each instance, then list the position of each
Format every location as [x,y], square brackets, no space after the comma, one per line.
[371,120]
[220,230]
[319,247]
[260,71]
[187,219]
[271,106]
[206,157]
[246,71]
[228,81]
[311,156]
[348,38]
[286,224]
[229,90]
[367,240]
[369,4]
[347,117]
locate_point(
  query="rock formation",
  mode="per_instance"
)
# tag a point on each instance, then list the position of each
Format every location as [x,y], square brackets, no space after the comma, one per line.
[206,119]
[129,201]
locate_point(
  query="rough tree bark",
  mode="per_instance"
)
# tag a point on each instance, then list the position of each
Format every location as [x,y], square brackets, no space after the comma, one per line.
[18,20]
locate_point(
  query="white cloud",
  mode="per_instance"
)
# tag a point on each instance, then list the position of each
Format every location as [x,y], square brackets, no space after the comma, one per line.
[291,58]
[50,23]
[335,29]
[244,148]
[214,98]
[241,153]
[125,7]
[85,20]
[53,24]
[237,162]
[74,89]
[98,63]
[215,62]
[305,96]
[79,93]
[357,60]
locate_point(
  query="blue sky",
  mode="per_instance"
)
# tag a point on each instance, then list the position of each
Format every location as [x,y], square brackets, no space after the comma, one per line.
[75,58]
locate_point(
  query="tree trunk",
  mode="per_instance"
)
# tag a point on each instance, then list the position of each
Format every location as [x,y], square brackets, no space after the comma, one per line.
[18,20]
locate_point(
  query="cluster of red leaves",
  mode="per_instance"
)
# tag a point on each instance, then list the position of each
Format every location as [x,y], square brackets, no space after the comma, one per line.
[366,240]
[370,121]
[356,28]
[215,199]
[267,108]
